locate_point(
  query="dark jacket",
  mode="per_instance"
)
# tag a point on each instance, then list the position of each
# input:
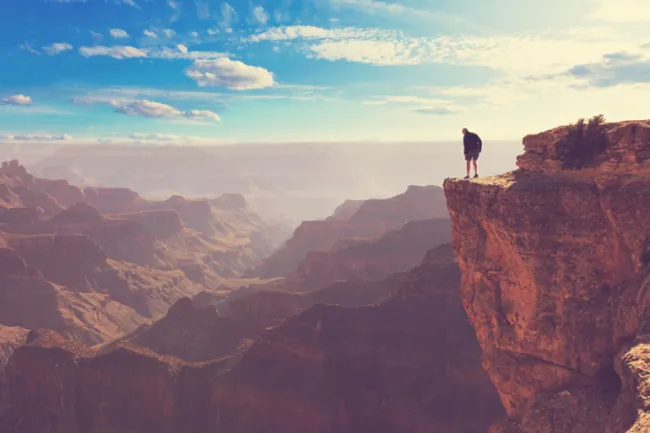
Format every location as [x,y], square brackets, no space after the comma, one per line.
[472,142]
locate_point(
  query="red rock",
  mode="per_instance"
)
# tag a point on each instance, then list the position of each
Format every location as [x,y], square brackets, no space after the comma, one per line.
[554,261]
[194,334]
[411,364]
[11,337]
[372,219]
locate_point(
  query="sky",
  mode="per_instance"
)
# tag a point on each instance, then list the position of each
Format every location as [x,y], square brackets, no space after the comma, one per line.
[212,72]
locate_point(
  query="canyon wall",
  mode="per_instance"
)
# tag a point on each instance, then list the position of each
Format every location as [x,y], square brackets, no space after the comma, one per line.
[554,259]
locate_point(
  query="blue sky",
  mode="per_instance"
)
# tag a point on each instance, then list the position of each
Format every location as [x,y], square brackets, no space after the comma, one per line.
[208,71]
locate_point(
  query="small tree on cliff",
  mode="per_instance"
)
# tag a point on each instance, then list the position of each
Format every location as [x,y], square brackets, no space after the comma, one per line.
[584,141]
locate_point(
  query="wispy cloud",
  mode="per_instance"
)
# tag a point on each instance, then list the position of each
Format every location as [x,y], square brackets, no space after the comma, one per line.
[120,52]
[131,3]
[148,108]
[150,34]
[173,4]
[96,36]
[232,74]
[259,15]
[202,9]
[615,69]
[398,9]
[118,34]
[16,100]
[57,48]
[229,16]
[513,53]
[29,48]
[117,52]
[34,137]
[418,104]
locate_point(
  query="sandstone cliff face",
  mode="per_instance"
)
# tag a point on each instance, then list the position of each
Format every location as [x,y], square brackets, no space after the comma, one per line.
[411,364]
[371,220]
[554,258]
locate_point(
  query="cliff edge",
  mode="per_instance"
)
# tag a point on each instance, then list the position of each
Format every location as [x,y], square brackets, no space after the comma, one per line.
[554,259]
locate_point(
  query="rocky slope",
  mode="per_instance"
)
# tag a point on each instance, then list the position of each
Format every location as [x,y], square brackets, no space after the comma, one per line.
[411,364]
[554,258]
[94,277]
[354,276]
[397,250]
[10,338]
[364,222]
[66,283]
[192,333]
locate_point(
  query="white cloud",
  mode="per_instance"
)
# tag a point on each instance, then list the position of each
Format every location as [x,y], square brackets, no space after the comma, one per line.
[622,11]
[34,137]
[228,16]
[169,33]
[194,34]
[131,3]
[376,52]
[212,32]
[150,34]
[96,36]
[512,53]
[260,15]
[202,115]
[57,48]
[29,48]
[437,110]
[118,34]
[232,74]
[418,104]
[148,108]
[180,51]
[117,52]
[173,4]
[311,32]
[16,100]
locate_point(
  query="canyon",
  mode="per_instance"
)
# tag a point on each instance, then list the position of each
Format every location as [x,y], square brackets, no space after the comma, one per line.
[411,363]
[514,303]
[96,263]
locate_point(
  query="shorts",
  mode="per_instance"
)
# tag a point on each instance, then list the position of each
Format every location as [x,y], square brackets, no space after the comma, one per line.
[472,154]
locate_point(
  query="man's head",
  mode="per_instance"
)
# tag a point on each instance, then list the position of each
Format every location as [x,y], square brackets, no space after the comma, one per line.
[465,131]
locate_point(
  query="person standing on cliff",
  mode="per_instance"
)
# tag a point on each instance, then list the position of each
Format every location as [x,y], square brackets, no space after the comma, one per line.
[472,145]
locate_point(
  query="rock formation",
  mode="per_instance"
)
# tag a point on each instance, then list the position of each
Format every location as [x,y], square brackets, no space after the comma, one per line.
[397,250]
[10,338]
[196,334]
[554,258]
[411,364]
[94,277]
[370,221]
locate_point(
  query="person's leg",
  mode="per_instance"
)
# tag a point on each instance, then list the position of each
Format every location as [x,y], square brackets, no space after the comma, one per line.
[468,165]
[475,167]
